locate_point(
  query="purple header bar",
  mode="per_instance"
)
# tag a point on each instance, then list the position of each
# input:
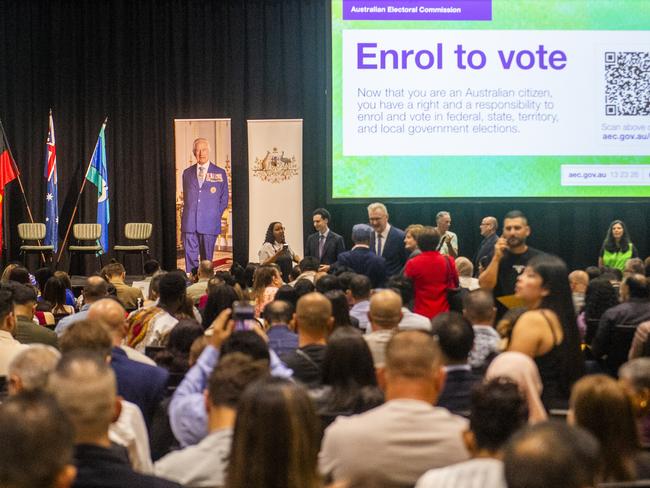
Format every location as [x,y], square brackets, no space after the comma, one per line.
[417,9]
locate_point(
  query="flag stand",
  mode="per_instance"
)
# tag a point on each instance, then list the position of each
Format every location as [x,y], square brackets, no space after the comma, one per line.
[76,205]
[22,188]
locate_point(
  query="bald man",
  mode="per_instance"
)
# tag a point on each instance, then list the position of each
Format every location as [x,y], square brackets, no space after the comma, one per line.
[313,321]
[138,383]
[578,281]
[113,314]
[384,315]
[488,228]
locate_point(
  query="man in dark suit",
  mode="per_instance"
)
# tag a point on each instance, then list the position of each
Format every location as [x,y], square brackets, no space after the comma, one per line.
[205,197]
[386,241]
[456,339]
[485,251]
[325,244]
[361,259]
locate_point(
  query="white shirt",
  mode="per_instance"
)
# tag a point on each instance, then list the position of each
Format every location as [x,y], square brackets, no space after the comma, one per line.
[130,431]
[483,472]
[454,243]
[413,321]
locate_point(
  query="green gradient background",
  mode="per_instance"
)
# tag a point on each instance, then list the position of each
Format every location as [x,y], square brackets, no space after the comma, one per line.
[481,176]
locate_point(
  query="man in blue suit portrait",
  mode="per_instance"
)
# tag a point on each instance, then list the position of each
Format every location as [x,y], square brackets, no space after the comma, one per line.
[205,197]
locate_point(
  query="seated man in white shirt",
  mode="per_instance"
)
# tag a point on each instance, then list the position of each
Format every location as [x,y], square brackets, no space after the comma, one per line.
[410,320]
[359,295]
[205,463]
[498,410]
[407,435]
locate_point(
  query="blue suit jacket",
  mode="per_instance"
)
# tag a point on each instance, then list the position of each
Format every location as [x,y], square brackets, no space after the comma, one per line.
[203,207]
[334,245]
[394,251]
[365,262]
[139,383]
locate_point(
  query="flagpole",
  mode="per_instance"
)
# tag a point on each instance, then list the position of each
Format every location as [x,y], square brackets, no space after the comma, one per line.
[76,205]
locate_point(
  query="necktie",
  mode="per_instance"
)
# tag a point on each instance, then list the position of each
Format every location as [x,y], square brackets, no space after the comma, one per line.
[379,245]
[321,245]
[201,176]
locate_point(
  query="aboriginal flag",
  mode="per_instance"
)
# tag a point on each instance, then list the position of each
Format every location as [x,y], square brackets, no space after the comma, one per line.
[7,173]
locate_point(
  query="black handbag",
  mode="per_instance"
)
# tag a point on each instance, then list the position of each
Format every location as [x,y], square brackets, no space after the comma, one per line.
[454,293]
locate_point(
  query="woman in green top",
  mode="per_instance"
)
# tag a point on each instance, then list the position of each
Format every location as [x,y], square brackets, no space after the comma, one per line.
[617,248]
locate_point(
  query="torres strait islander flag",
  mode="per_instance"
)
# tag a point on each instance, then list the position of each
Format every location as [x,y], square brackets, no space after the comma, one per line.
[7,173]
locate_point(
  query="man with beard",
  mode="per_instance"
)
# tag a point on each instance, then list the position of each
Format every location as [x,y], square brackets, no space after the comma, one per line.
[511,255]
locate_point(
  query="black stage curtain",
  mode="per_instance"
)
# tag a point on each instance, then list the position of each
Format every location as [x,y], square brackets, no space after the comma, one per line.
[145,62]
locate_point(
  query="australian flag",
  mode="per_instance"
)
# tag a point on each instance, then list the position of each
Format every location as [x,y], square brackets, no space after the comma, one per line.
[52,194]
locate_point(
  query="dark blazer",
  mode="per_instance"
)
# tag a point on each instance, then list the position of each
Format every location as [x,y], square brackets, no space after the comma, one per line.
[485,250]
[456,393]
[363,261]
[203,206]
[393,251]
[334,245]
[139,383]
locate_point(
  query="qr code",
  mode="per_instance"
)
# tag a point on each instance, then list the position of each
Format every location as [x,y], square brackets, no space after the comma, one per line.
[627,83]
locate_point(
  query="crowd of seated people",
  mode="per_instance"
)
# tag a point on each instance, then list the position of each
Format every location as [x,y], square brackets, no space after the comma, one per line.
[354,369]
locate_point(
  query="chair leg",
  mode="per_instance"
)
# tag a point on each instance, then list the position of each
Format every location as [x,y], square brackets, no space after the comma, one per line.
[142,262]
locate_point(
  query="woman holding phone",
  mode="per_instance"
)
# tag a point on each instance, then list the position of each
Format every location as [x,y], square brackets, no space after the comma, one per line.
[276,250]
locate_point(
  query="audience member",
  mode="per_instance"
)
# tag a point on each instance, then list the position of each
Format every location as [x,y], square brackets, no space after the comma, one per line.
[432,275]
[154,290]
[386,241]
[488,227]
[187,416]
[406,436]
[85,388]
[9,347]
[69,294]
[129,296]
[612,344]
[550,455]
[205,464]
[137,383]
[303,287]
[151,326]
[384,314]
[358,295]
[634,266]
[599,297]
[287,293]
[635,378]
[410,320]
[479,309]
[511,255]
[275,250]
[313,321]
[41,275]
[95,289]
[274,416]
[220,299]
[448,244]
[277,317]
[362,260]
[308,269]
[54,293]
[523,371]
[341,310]
[151,267]
[497,411]
[27,331]
[205,272]
[466,274]
[265,286]
[349,380]
[617,247]
[29,370]
[455,337]
[175,357]
[593,272]
[295,273]
[411,234]
[547,332]
[578,282]
[601,405]
[36,443]
[19,274]
[326,282]
[325,245]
